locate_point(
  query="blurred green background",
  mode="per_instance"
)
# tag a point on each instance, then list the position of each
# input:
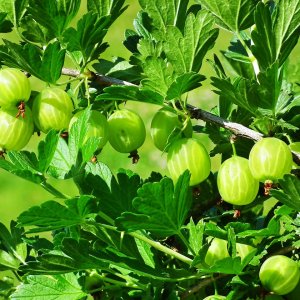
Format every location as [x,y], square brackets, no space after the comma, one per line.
[17,195]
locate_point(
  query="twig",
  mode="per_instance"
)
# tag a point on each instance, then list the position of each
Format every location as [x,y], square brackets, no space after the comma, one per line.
[236,128]
[283,251]
[97,78]
[196,113]
[201,285]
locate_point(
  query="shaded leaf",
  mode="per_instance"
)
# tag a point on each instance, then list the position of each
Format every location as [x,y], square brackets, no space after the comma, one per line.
[114,198]
[5,25]
[160,208]
[289,194]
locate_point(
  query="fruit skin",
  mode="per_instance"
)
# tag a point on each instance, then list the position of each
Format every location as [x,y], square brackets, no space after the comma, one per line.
[242,250]
[216,251]
[163,124]
[270,159]
[188,154]
[279,274]
[127,131]
[14,87]
[235,182]
[52,109]
[15,133]
[97,127]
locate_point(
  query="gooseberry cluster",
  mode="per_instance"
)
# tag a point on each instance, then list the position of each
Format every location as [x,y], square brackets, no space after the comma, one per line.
[171,130]
[53,108]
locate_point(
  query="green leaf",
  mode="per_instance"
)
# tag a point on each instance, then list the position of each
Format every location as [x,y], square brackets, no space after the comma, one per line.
[133,93]
[183,84]
[78,133]
[45,65]
[112,8]
[5,25]
[70,158]
[52,215]
[146,253]
[101,170]
[227,265]
[241,92]
[196,232]
[62,161]
[270,82]
[286,27]
[88,37]
[46,150]
[12,241]
[164,13]
[289,194]
[264,48]
[8,261]
[161,209]
[114,200]
[275,35]
[23,160]
[23,164]
[84,256]
[54,17]
[52,62]
[272,229]
[82,206]
[159,76]
[186,51]
[120,69]
[54,287]
[233,15]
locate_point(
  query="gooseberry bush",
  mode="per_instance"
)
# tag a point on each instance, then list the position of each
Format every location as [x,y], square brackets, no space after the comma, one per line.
[194,233]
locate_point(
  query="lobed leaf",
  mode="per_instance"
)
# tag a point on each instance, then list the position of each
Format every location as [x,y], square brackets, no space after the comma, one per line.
[233,15]
[52,215]
[54,287]
[165,13]
[112,8]
[186,50]
[45,65]
[160,208]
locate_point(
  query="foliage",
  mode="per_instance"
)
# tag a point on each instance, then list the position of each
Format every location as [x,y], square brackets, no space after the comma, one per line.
[127,237]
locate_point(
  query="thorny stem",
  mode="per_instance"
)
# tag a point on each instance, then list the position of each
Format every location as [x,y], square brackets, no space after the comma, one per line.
[152,243]
[196,113]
